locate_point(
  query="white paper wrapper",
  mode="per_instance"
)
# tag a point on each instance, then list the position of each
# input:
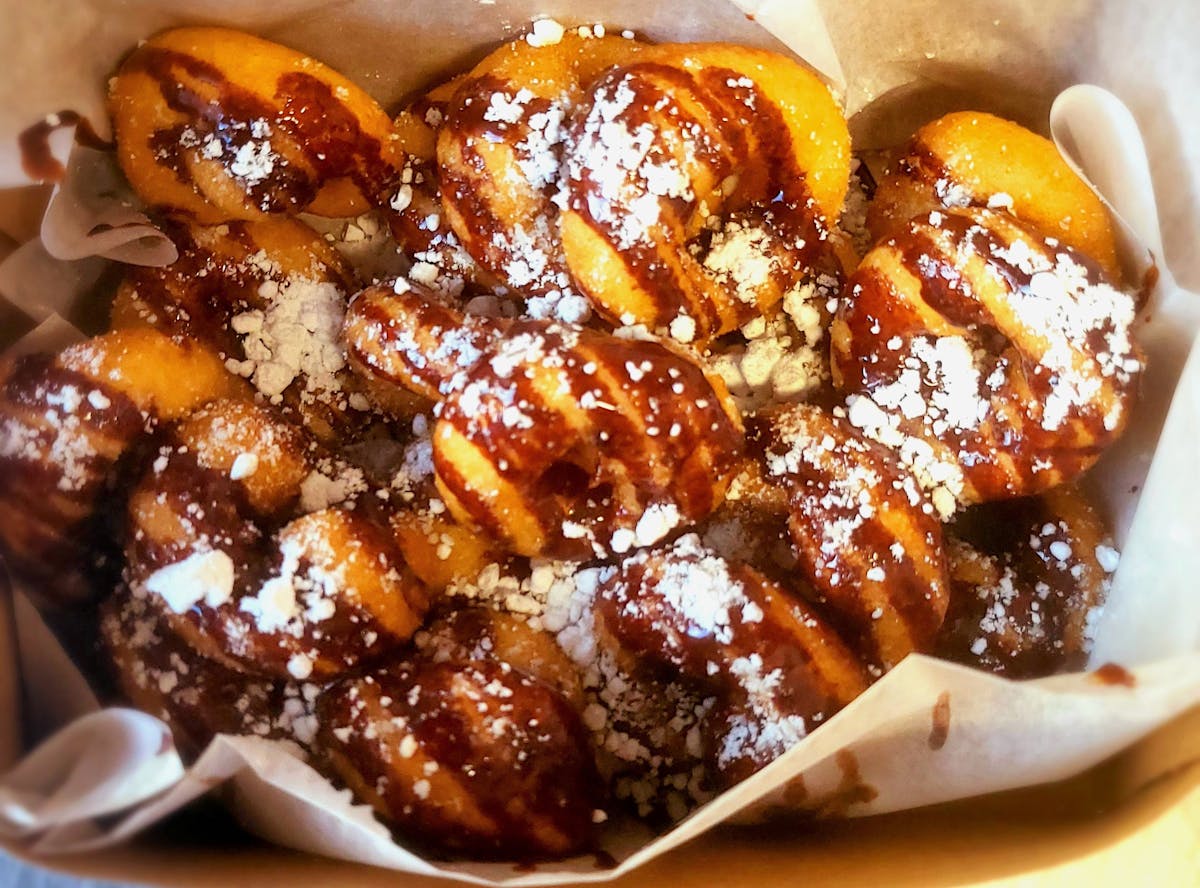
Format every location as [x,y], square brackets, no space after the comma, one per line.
[881,753]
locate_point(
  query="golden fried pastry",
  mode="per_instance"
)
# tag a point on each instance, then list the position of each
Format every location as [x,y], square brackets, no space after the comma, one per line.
[873,556]
[1029,577]
[969,158]
[438,549]
[213,125]
[270,297]
[416,213]
[505,124]
[65,423]
[471,757]
[995,362]
[407,337]
[484,633]
[702,183]
[259,553]
[221,271]
[646,439]
[725,627]
[195,697]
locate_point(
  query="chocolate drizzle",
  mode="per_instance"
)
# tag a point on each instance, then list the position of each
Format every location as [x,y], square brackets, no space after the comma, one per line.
[313,137]
[665,437]
[960,260]
[467,756]
[708,120]
[37,160]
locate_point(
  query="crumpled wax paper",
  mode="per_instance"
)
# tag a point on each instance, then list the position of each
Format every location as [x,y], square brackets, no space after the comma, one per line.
[110,773]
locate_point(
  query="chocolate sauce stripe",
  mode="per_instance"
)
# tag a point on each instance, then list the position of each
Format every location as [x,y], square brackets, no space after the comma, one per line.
[316,125]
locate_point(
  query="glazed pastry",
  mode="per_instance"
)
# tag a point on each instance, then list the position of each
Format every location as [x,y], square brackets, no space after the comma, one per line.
[265,555]
[483,633]
[221,271]
[647,438]
[196,698]
[468,757]
[408,337]
[762,652]
[506,123]
[872,554]
[969,158]
[438,549]
[417,214]
[213,125]
[269,297]
[1029,578]
[996,362]
[702,184]
[66,421]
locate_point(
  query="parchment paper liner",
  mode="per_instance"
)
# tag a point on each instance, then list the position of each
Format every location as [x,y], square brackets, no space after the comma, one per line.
[876,755]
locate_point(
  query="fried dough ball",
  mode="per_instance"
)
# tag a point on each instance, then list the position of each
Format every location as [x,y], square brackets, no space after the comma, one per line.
[742,638]
[862,533]
[213,125]
[969,158]
[66,422]
[469,757]
[1028,578]
[997,362]
[646,440]
[269,297]
[195,697]
[703,182]
[264,554]
[504,124]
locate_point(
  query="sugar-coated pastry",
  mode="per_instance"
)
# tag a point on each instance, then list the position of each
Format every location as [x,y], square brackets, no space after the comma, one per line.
[196,697]
[741,637]
[418,215]
[871,552]
[270,297]
[221,271]
[470,757]
[995,361]
[66,421]
[702,183]
[646,439]
[213,124]
[264,554]
[506,123]
[1029,578]
[484,633]
[437,548]
[408,337]
[969,158]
